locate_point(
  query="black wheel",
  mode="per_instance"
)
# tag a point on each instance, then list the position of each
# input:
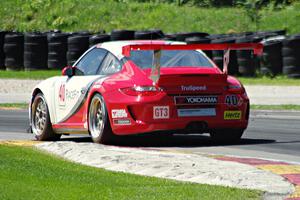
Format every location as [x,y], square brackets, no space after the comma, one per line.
[40,120]
[227,135]
[99,126]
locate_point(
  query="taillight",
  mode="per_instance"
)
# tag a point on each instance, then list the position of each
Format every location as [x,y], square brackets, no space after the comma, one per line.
[141,91]
[235,89]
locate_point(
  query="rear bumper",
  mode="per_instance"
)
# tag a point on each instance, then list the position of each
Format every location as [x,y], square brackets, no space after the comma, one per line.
[140,115]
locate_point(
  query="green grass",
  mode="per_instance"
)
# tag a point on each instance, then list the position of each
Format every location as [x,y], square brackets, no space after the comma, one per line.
[278,80]
[14,105]
[39,74]
[30,174]
[95,15]
[275,107]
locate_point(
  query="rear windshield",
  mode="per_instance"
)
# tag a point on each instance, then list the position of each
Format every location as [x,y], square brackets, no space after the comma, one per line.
[170,58]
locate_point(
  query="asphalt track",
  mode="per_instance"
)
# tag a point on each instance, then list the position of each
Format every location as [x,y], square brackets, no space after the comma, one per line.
[270,135]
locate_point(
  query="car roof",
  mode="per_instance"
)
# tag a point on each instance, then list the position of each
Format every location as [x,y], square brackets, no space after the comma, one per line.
[115,47]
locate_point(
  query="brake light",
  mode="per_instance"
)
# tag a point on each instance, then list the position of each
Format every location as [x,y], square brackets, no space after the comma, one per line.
[141,91]
[235,89]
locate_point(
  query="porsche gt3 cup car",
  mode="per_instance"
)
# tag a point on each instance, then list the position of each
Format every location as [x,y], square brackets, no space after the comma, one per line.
[132,87]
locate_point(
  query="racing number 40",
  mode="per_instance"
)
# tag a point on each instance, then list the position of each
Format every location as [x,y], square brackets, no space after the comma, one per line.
[161,112]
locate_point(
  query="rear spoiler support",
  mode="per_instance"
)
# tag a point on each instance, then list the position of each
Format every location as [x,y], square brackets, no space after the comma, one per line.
[155,72]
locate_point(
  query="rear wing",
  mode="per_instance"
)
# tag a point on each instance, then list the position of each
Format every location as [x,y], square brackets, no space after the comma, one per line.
[155,72]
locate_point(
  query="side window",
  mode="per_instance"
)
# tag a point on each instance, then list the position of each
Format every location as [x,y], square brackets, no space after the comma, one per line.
[110,65]
[90,63]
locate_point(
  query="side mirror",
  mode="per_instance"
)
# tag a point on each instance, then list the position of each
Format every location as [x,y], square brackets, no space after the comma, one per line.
[67,71]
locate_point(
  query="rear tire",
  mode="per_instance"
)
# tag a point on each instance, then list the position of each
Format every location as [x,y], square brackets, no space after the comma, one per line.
[98,121]
[40,120]
[227,135]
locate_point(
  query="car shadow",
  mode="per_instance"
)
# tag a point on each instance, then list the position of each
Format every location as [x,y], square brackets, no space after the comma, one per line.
[177,140]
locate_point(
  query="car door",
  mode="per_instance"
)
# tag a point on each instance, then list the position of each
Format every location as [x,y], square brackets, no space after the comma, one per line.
[71,92]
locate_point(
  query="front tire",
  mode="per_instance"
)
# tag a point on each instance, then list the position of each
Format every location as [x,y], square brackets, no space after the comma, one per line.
[227,135]
[40,120]
[98,121]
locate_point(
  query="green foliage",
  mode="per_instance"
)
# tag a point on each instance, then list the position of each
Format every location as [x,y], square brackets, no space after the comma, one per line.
[95,15]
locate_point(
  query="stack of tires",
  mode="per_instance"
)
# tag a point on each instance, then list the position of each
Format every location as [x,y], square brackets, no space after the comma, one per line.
[248,63]
[35,51]
[14,51]
[183,36]
[122,35]
[200,40]
[57,50]
[271,62]
[291,58]
[148,35]
[2,55]
[100,38]
[77,45]
[217,56]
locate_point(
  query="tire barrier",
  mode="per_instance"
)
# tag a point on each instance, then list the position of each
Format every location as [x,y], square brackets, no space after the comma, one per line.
[200,40]
[149,35]
[2,55]
[14,51]
[122,35]
[247,62]
[281,53]
[291,59]
[96,39]
[57,50]
[271,62]
[35,51]
[218,56]
[183,36]
[77,45]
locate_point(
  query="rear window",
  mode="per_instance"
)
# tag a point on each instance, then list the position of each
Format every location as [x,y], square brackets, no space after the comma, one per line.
[170,58]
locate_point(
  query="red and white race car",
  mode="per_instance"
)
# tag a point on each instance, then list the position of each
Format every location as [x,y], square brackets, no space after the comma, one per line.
[132,87]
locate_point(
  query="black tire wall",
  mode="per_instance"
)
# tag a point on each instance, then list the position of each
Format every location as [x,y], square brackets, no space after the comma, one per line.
[247,61]
[100,38]
[14,51]
[122,35]
[291,56]
[57,50]
[35,51]
[2,55]
[272,58]
[218,56]
[77,45]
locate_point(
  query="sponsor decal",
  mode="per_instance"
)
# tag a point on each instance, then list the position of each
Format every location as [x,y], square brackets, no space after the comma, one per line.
[201,112]
[196,100]
[122,122]
[72,94]
[231,100]
[232,114]
[119,113]
[161,112]
[62,95]
[193,88]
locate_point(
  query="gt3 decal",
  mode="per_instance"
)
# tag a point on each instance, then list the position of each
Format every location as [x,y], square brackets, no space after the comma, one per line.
[118,113]
[232,114]
[161,112]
